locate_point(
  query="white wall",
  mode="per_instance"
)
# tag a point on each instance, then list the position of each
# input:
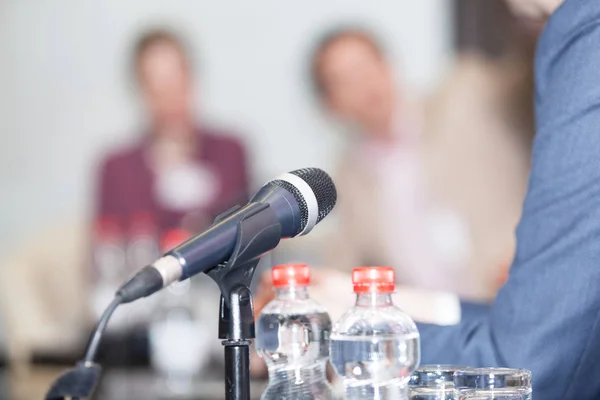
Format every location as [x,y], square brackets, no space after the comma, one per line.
[64,98]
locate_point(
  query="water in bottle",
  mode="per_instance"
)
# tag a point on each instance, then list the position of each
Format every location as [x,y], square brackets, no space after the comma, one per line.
[179,338]
[142,241]
[143,248]
[109,269]
[293,338]
[374,345]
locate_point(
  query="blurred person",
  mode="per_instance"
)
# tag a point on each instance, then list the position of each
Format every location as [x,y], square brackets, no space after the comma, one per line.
[386,213]
[180,172]
[179,175]
[405,200]
[545,318]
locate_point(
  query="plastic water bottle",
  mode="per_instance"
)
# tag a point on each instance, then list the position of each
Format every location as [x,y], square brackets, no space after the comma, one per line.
[293,338]
[109,269]
[143,242]
[374,345]
[179,341]
[142,249]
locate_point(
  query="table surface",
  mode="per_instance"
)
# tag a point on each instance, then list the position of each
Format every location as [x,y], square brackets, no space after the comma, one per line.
[118,384]
[148,385]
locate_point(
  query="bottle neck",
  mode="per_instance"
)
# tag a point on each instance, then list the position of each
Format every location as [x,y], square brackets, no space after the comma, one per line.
[292,293]
[374,299]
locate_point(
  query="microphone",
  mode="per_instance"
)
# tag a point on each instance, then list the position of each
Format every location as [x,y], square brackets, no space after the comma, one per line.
[298,200]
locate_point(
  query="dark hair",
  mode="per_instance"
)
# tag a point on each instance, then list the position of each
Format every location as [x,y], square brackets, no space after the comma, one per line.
[331,37]
[152,37]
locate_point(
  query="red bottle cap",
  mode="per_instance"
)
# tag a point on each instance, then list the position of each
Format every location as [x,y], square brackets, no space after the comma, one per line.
[373,279]
[173,238]
[107,227]
[290,275]
[142,223]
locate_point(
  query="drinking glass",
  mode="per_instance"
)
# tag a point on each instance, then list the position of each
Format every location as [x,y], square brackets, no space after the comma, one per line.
[492,383]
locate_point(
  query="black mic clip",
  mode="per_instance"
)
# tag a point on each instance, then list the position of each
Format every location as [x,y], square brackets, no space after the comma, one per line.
[76,383]
[236,314]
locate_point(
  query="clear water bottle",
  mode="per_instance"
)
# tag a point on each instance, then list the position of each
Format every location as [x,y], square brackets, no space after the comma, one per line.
[142,249]
[293,338]
[109,269]
[143,241]
[179,342]
[179,339]
[374,345]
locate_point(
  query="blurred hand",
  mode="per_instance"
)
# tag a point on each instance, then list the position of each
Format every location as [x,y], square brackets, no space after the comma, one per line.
[502,273]
[534,9]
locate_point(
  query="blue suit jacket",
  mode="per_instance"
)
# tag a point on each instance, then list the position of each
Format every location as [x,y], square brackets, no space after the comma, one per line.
[547,316]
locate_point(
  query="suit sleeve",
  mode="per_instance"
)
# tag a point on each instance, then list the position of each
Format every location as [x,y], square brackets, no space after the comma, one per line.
[546,317]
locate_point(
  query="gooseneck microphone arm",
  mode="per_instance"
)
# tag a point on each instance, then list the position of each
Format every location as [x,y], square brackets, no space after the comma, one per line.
[94,343]
[80,382]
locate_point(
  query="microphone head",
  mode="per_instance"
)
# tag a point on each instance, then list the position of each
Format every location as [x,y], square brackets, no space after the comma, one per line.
[314,192]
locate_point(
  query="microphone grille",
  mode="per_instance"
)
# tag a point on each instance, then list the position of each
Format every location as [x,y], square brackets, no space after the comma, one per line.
[299,198]
[322,186]
[314,192]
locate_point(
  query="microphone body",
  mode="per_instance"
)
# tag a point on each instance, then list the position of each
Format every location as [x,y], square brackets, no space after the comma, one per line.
[215,245]
[296,200]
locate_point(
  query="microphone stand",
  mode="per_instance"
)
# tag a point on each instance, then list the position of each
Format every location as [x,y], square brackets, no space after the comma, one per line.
[236,315]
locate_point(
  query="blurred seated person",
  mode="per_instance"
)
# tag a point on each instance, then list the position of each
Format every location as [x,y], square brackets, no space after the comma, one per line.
[433,189]
[180,174]
[386,213]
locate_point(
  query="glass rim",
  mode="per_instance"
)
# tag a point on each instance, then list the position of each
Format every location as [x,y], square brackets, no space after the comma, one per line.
[490,378]
[493,371]
[440,367]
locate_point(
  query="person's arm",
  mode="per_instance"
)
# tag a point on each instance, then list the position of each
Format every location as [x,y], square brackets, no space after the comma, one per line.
[547,316]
